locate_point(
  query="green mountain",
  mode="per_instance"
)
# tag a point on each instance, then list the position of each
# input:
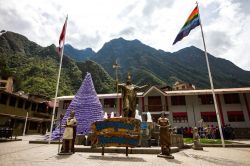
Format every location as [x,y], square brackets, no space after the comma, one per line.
[78,55]
[101,79]
[35,68]
[156,67]
[225,74]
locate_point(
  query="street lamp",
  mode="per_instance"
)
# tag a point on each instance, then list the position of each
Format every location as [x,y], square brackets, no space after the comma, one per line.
[116,66]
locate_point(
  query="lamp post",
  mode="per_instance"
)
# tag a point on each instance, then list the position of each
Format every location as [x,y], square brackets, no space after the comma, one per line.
[59,141]
[116,66]
[25,124]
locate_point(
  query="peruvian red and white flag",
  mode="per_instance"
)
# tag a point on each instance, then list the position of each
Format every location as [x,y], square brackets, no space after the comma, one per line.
[62,35]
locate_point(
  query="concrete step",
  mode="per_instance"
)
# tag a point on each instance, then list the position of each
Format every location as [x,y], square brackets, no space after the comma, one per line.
[136,150]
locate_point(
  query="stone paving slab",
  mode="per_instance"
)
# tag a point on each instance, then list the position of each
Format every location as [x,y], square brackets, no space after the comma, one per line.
[22,153]
[227,145]
[239,144]
[241,141]
[135,150]
[9,140]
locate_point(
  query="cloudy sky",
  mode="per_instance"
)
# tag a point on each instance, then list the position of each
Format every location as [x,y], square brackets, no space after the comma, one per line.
[154,22]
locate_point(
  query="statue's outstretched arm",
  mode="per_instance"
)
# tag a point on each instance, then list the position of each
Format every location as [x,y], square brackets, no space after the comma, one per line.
[121,85]
[141,87]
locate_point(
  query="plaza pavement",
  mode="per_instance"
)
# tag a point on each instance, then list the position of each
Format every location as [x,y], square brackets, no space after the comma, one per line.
[20,153]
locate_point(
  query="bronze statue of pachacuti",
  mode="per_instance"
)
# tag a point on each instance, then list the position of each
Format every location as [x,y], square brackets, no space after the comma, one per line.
[129,91]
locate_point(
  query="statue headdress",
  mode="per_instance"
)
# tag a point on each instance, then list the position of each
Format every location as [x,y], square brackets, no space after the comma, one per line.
[129,77]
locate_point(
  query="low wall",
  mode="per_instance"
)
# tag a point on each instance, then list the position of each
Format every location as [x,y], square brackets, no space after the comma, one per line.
[242,132]
[177,140]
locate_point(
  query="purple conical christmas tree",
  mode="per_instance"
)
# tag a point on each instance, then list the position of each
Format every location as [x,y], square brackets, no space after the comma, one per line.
[87,107]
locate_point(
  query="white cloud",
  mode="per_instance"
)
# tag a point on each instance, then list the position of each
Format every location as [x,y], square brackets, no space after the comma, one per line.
[155,23]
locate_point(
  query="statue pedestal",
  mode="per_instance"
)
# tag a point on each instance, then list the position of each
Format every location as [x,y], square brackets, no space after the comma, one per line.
[197,146]
[165,156]
[66,153]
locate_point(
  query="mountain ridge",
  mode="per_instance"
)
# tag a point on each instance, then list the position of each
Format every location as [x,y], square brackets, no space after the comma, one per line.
[35,67]
[78,55]
[187,64]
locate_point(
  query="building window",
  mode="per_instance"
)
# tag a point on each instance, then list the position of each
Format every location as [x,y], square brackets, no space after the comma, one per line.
[33,126]
[154,104]
[109,103]
[50,110]
[66,104]
[206,99]
[3,98]
[20,103]
[12,101]
[2,84]
[27,105]
[178,100]
[33,107]
[180,117]
[42,108]
[235,116]
[56,111]
[232,98]
[209,116]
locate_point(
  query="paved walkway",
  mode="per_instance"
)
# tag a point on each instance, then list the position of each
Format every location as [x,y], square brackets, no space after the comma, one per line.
[22,153]
[241,141]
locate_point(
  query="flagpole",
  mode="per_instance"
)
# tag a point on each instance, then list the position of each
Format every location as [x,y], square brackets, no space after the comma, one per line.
[57,84]
[211,83]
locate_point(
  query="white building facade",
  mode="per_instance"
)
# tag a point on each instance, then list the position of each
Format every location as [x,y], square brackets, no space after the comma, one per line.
[185,108]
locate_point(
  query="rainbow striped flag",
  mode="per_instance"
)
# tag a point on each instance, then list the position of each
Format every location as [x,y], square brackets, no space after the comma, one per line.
[192,22]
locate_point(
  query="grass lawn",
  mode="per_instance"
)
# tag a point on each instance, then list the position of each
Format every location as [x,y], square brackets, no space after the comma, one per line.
[205,141]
